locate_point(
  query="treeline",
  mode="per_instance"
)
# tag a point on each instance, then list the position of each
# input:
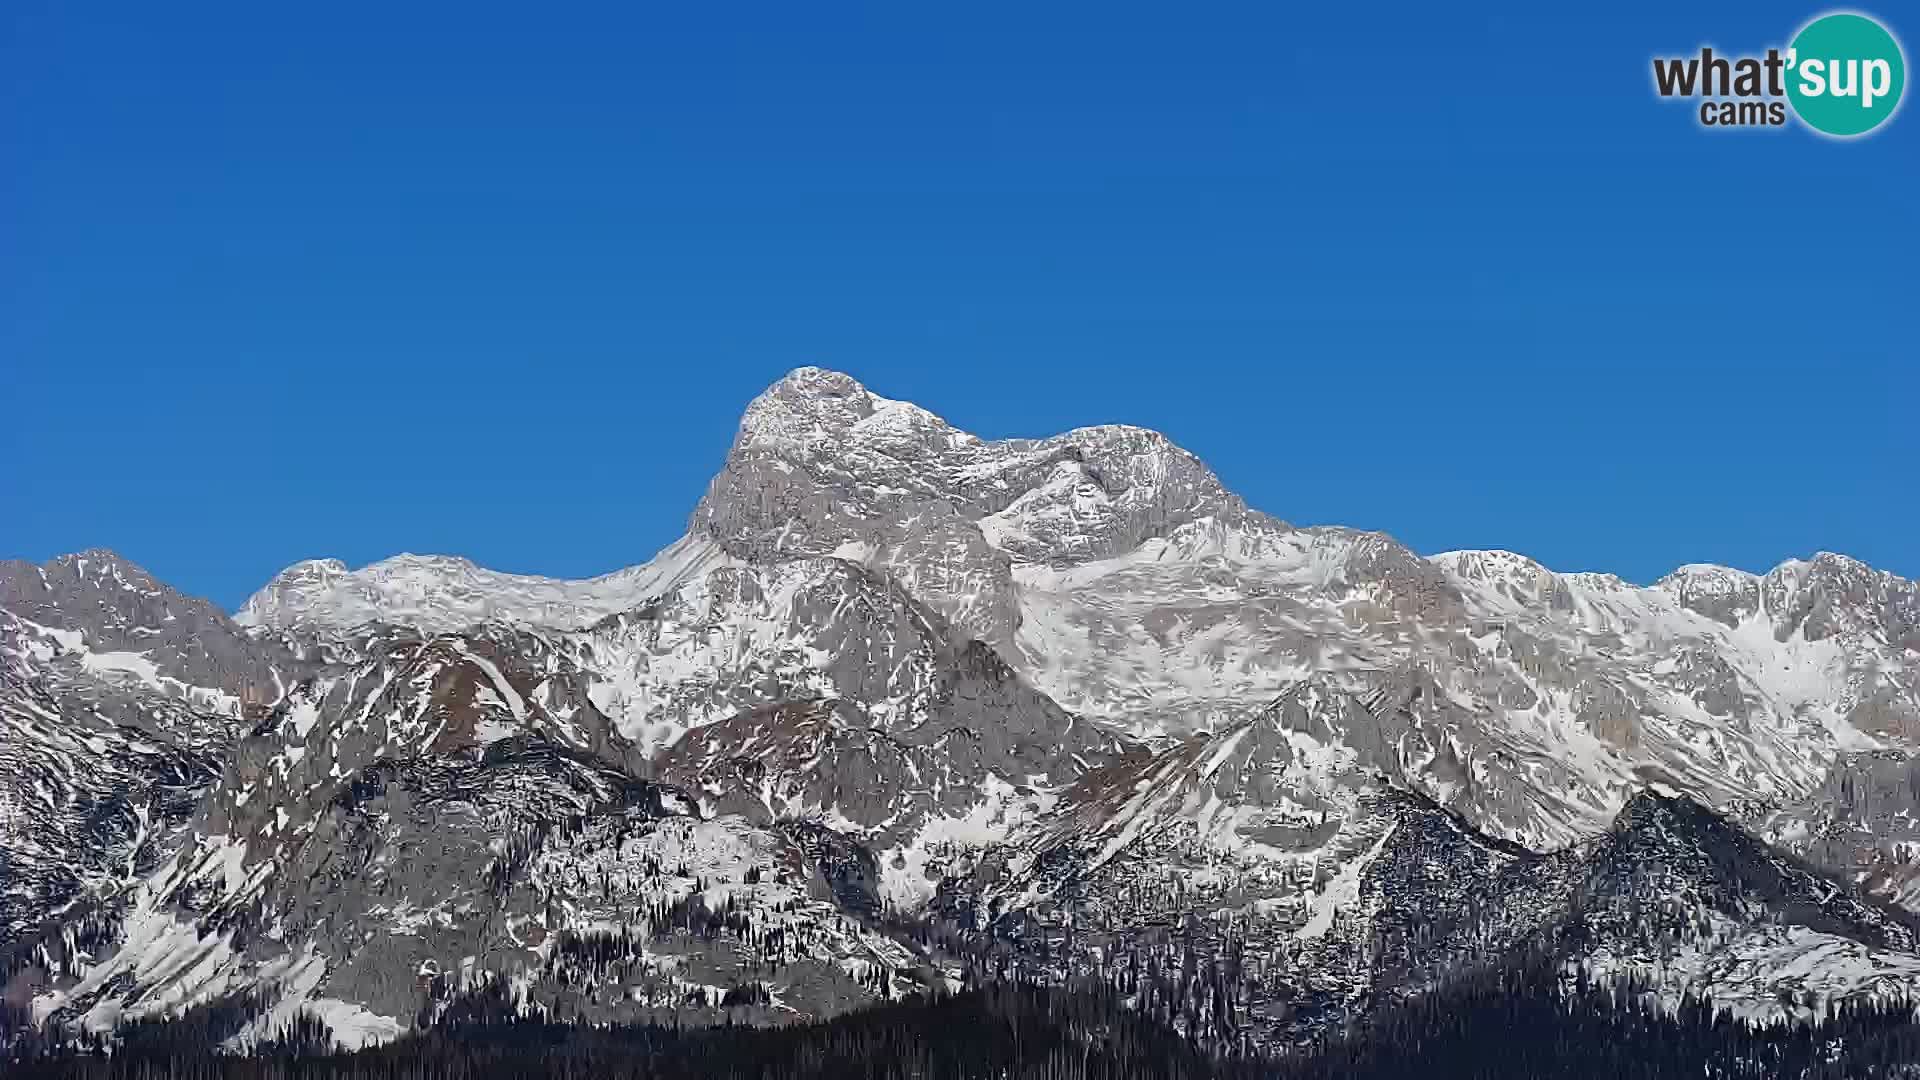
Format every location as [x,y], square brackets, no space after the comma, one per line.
[1531,1019]
[1524,1020]
[1010,1031]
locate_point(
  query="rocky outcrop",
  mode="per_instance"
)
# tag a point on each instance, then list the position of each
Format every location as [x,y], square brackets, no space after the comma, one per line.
[1064,705]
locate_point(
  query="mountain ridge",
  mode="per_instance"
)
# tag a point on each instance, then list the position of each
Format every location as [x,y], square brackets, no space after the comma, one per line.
[909,708]
[812,402]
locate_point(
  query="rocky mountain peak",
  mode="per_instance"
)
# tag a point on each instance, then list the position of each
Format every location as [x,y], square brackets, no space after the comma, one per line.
[1832,594]
[93,568]
[892,664]
[1721,593]
[812,408]
[305,574]
[823,466]
[120,615]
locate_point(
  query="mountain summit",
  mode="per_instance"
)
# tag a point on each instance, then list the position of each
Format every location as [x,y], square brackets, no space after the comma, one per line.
[1112,570]
[905,707]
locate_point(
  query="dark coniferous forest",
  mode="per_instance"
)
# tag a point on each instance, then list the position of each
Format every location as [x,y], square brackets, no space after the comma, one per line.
[1524,1020]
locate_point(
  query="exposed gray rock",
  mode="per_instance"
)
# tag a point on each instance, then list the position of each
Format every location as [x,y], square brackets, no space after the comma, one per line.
[822,465]
[1069,689]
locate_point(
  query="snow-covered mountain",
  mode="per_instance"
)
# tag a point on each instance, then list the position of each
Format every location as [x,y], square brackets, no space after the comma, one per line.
[1113,571]
[906,704]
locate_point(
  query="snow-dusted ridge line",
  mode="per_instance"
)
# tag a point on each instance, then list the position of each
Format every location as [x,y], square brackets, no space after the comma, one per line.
[1020,495]
[442,593]
[1110,569]
[891,660]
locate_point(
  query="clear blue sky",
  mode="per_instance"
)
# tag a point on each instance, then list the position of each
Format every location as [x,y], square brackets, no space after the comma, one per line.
[355,279]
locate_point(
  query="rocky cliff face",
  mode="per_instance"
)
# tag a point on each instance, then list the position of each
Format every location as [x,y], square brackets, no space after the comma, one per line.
[906,706]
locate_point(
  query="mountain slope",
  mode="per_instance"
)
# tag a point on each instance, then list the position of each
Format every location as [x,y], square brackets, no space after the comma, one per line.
[120,700]
[1113,571]
[907,707]
[1260,887]
[502,804]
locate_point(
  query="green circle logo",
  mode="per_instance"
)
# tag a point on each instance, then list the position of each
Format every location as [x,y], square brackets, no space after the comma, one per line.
[1845,74]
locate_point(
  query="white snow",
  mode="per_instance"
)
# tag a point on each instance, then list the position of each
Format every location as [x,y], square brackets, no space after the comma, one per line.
[439,593]
[1341,891]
